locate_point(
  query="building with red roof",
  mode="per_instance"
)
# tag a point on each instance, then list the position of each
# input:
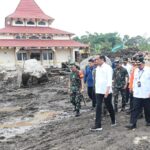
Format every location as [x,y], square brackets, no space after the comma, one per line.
[28,35]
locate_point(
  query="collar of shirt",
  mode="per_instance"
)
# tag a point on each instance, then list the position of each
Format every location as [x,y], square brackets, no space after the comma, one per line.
[142,69]
[144,90]
[101,66]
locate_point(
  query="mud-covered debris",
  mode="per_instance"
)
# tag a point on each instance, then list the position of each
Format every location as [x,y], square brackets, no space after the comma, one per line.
[128,52]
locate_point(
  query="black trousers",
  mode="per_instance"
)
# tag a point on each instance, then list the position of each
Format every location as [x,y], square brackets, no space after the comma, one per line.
[91,94]
[109,106]
[138,104]
[131,101]
[116,94]
[127,93]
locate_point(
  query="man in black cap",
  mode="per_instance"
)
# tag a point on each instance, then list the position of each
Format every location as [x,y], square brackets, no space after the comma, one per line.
[141,94]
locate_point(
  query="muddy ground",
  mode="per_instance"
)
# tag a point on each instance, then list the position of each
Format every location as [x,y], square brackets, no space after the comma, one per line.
[41,118]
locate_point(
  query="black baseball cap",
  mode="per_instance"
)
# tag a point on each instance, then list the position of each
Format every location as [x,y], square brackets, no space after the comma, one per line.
[125,59]
[140,60]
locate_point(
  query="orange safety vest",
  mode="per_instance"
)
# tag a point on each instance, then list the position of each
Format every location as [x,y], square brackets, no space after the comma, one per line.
[131,78]
[81,74]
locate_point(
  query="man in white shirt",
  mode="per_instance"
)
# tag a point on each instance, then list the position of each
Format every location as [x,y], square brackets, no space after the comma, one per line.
[103,90]
[126,65]
[141,94]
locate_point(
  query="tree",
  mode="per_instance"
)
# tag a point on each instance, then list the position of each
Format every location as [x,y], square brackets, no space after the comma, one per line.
[107,41]
[100,41]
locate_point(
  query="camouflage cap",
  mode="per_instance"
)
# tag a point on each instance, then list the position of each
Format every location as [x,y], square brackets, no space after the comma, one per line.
[125,59]
[74,64]
[118,61]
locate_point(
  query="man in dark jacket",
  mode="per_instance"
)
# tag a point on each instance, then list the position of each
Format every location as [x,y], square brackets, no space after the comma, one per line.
[88,78]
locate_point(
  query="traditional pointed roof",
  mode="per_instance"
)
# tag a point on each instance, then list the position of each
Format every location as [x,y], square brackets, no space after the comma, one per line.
[28,9]
[33,30]
[40,43]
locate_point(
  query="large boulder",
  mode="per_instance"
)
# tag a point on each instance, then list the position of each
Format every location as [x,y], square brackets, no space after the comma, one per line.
[33,72]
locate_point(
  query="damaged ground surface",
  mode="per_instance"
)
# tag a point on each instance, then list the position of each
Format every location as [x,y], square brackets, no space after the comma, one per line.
[41,118]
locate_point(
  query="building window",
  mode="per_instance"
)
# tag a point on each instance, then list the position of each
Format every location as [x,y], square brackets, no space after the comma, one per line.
[42,23]
[23,37]
[49,37]
[18,37]
[43,37]
[30,23]
[36,56]
[19,22]
[50,56]
[22,56]
[44,56]
[47,56]
[33,37]
[77,56]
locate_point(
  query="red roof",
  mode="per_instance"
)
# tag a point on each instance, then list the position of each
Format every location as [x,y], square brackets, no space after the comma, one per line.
[34,30]
[29,9]
[40,43]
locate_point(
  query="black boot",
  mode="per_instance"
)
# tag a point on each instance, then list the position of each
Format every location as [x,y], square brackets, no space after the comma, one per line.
[75,109]
[140,116]
[77,114]
[131,127]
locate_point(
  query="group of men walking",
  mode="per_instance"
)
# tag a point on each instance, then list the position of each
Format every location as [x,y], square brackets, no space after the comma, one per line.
[104,84]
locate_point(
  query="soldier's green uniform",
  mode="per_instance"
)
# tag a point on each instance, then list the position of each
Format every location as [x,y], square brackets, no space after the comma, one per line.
[119,77]
[75,86]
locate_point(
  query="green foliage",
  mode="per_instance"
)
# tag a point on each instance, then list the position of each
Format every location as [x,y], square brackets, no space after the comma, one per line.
[139,42]
[107,41]
[100,41]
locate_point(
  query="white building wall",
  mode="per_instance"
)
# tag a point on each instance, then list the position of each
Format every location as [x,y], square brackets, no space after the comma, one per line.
[7,57]
[61,37]
[47,63]
[63,55]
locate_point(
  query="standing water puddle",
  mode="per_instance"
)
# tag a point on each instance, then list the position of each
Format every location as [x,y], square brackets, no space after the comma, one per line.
[9,109]
[19,125]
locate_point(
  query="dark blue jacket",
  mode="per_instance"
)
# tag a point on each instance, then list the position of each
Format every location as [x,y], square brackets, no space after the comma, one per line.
[88,76]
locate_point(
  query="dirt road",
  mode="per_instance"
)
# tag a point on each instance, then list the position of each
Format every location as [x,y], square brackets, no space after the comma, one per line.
[41,118]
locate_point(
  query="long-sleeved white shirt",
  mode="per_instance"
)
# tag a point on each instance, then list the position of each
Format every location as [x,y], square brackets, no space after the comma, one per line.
[142,76]
[103,79]
[128,67]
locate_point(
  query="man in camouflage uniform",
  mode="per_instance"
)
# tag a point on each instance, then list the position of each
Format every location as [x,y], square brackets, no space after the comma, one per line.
[120,79]
[76,87]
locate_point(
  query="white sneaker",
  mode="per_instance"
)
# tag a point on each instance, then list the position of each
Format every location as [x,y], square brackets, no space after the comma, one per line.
[96,129]
[113,125]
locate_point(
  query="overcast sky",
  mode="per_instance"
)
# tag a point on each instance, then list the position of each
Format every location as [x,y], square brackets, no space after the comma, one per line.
[130,17]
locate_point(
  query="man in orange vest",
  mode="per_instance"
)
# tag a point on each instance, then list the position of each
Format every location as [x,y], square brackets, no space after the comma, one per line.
[134,66]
